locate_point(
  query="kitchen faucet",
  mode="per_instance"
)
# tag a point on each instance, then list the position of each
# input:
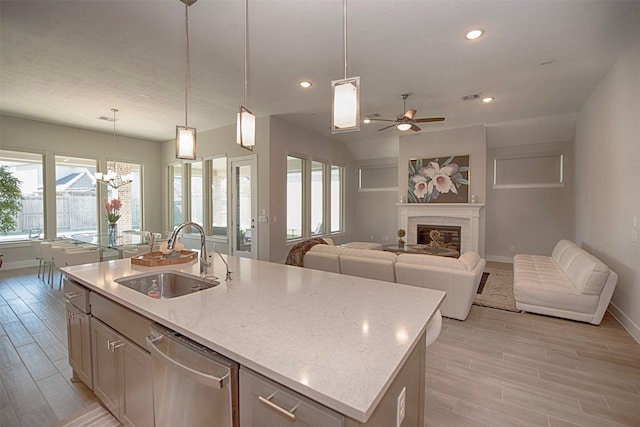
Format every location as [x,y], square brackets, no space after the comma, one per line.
[203,243]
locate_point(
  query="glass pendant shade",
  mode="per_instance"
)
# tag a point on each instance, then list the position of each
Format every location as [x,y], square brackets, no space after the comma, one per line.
[404,126]
[345,114]
[246,129]
[185,143]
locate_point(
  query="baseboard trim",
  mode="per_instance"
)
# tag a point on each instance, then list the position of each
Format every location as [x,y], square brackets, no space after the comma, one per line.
[19,264]
[623,319]
[496,258]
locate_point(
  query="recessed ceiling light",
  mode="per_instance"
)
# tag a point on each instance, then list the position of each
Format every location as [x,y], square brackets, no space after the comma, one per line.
[474,34]
[305,84]
[367,120]
[487,99]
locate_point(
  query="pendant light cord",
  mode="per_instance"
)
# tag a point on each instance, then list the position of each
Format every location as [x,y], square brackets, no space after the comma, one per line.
[246,43]
[115,110]
[187,70]
[344,34]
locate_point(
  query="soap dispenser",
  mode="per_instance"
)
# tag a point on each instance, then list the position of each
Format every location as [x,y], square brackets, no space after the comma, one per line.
[154,292]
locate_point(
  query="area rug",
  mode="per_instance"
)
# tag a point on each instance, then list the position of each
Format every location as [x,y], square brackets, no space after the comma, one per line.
[94,415]
[497,291]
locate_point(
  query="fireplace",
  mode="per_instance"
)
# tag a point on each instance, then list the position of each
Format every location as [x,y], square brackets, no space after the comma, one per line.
[443,236]
[464,216]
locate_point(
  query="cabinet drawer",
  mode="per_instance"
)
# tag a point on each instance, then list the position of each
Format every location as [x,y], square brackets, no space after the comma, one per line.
[125,321]
[265,403]
[77,295]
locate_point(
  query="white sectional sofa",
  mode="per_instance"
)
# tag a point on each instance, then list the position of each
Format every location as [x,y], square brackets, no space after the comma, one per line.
[571,284]
[459,277]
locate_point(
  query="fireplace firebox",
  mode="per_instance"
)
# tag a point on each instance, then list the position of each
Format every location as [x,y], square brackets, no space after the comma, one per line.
[444,236]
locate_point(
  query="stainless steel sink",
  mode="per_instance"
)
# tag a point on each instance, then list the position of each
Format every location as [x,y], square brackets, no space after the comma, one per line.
[169,284]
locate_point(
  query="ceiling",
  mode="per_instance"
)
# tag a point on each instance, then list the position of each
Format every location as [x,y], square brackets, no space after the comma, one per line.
[70,62]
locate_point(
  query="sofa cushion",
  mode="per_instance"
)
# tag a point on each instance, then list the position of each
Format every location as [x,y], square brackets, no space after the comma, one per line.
[371,254]
[362,245]
[587,273]
[326,249]
[432,261]
[560,247]
[567,256]
[469,259]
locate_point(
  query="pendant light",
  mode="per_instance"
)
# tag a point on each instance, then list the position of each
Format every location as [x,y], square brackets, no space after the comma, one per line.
[246,129]
[185,135]
[345,108]
[111,178]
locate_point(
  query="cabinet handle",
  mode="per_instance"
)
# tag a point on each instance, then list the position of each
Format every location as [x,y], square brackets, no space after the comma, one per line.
[71,295]
[74,316]
[289,414]
[113,345]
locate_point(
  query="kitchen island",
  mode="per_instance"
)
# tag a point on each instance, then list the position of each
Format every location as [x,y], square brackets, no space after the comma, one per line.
[338,340]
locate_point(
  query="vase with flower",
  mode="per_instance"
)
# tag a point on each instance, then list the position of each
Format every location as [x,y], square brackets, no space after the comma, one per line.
[401,234]
[113,215]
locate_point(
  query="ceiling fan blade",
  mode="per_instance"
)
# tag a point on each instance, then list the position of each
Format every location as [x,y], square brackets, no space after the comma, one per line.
[410,113]
[381,120]
[430,119]
[387,127]
[415,128]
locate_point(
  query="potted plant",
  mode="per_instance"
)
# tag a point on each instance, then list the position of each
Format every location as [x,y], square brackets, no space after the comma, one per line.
[10,201]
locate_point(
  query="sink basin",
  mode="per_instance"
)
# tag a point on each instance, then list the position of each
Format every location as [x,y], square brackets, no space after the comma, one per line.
[170,284]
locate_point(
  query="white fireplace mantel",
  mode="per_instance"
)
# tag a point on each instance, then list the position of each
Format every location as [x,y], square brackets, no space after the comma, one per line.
[464,215]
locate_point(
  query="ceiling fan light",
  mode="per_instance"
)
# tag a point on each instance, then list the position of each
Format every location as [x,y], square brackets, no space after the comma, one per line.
[246,129]
[345,115]
[404,126]
[366,121]
[487,99]
[185,143]
[474,34]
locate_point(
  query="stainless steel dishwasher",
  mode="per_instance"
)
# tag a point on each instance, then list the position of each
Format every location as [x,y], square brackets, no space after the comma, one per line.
[192,385]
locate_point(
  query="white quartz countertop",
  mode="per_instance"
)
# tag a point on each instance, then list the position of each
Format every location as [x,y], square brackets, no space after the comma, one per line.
[337,339]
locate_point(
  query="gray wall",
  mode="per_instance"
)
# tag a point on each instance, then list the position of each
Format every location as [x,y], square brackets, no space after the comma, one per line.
[455,142]
[608,181]
[531,220]
[376,211]
[50,140]
[286,138]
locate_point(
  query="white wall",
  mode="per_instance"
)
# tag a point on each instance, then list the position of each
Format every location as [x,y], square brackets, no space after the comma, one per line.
[607,149]
[51,140]
[455,142]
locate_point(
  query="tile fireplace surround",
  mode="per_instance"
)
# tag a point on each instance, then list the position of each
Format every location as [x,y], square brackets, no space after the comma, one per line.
[464,215]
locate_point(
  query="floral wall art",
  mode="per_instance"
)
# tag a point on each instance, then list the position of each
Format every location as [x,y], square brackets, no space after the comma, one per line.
[439,180]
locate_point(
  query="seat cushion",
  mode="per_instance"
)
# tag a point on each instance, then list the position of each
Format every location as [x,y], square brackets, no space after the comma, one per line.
[432,261]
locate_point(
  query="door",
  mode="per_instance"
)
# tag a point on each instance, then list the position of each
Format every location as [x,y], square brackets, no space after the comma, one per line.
[244,232]
[136,377]
[106,378]
[79,343]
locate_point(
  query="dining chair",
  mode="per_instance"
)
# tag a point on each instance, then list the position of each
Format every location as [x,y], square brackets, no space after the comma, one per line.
[67,256]
[37,253]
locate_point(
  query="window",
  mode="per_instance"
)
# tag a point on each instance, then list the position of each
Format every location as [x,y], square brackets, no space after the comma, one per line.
[195,193]
[130,195]
[537,170]
[378,178]
[295,169]
[337,198]
[27,167]
[317,197]
[76,199]
[175,194]
[218,207]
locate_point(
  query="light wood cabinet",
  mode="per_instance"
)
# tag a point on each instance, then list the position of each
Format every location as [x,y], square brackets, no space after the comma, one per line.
[79,344]
[265,403]
[122,376]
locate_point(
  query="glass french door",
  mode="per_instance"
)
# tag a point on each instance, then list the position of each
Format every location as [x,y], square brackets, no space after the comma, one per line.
[244,202]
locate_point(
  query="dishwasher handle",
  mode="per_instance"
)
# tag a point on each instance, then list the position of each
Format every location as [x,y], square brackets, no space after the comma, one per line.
[201,377]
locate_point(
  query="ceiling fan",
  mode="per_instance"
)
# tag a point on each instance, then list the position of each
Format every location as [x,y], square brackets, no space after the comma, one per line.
[406,121]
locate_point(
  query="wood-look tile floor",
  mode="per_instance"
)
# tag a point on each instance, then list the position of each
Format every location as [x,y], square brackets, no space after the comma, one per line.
[35,386]
[495,369]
